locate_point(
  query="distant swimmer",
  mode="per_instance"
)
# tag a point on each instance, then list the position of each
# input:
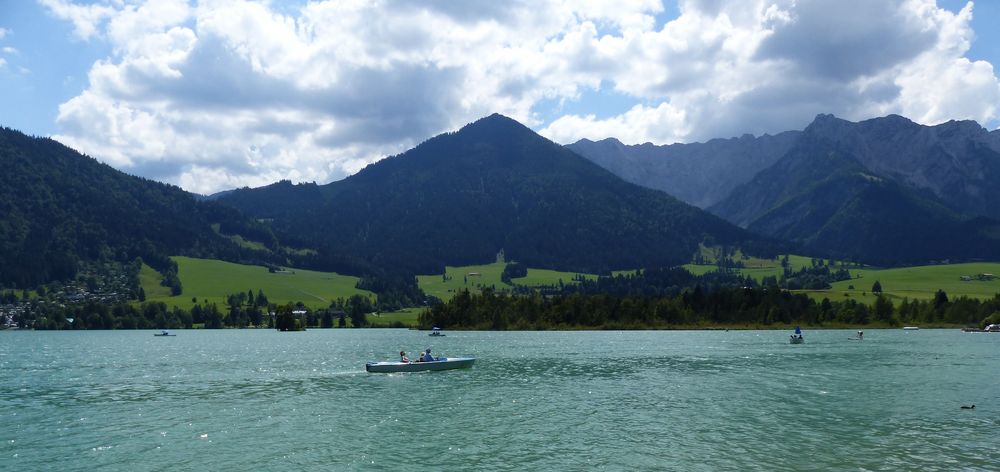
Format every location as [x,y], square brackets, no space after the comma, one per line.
[968,407]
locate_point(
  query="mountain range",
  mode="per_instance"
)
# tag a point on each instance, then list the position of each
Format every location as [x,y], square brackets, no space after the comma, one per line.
[885,190]
[701,174]
[493,186]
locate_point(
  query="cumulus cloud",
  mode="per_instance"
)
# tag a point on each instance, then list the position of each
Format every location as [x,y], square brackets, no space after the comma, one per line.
[223,93]
[87,19]
[731,67]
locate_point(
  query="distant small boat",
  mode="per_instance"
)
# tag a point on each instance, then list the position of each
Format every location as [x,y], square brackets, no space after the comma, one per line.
[435,331]
[797,337]
[164,333]
[442,363]
[911,328]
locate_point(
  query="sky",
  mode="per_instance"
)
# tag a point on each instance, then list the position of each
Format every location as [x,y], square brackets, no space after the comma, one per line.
[217,94]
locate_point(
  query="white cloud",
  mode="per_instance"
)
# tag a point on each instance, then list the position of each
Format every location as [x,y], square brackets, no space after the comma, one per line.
[10,50]
[4,32]
[87,19]
[224,93]
[736,66]
[3,62]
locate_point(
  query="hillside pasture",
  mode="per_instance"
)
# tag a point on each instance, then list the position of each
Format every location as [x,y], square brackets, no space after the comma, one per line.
[213,280]
[755,267]
[478,277]
[917,283]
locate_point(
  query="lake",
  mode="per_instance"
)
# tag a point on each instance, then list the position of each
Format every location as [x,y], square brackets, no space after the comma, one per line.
[592,400]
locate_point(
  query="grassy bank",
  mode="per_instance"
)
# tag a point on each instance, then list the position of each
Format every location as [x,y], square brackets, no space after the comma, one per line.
[212,280]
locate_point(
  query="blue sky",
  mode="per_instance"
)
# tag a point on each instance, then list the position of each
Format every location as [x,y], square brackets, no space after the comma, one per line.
[216,94]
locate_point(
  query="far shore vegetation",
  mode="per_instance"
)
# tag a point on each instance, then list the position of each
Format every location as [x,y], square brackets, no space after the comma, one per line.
[746,294]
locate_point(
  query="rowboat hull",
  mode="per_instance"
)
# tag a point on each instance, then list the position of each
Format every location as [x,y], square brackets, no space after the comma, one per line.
[444,363]
[796,340]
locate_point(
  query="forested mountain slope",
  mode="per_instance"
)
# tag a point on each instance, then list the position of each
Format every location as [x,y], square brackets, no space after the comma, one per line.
[59,209]
[462,197]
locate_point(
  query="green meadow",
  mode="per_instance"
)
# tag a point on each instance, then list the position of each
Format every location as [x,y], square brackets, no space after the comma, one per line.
[919,282]
[406,316]
[478,277]
[213,280]
[756,267]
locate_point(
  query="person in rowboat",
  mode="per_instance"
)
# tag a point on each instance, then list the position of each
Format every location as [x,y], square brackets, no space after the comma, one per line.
[403,358]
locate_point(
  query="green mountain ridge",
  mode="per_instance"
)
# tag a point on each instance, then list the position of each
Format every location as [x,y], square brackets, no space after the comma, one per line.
[822,195]
[495,185]
[59,209]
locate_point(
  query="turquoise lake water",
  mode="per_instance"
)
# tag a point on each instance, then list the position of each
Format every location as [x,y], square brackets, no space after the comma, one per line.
[632,400]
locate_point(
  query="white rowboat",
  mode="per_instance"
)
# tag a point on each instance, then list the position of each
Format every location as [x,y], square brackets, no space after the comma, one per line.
[443,363]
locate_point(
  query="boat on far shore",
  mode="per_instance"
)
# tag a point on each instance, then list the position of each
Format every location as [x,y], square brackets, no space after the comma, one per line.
[993,328]
[911,328]
[164,333]
[435,331]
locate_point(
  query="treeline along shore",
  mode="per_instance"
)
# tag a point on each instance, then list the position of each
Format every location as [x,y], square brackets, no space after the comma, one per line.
[490,310]
[756,307]
[670,298]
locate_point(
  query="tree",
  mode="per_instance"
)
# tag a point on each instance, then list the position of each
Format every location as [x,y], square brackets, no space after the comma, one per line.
[142,295]
[357,307]
[940,300]
[883,308]
[286,320]
[877,288]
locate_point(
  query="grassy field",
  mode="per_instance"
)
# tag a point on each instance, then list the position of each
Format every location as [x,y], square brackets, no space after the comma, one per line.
[213,280]
[458,278]
[920,282]
[149,280]
[406,316]
[757,268]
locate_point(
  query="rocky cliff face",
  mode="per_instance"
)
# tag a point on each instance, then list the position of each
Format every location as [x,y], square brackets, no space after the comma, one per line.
[886,190]
[957,161]
[701,174]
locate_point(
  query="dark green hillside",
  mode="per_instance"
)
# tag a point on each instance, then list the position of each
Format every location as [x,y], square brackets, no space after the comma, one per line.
[821,195]
[462,197]
[803,170]
[880,222]
[274,200]
[59,208]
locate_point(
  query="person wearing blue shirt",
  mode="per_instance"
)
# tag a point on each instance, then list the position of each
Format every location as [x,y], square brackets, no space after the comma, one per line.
[427,356]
